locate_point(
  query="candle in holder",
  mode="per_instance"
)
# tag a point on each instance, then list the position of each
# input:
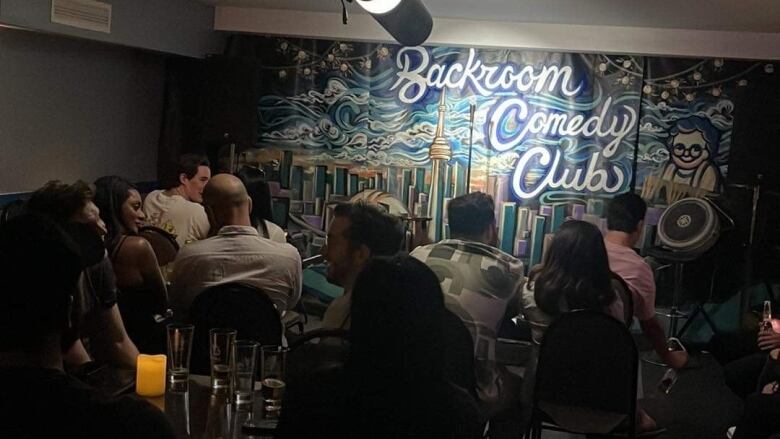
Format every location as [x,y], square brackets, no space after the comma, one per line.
[150,375]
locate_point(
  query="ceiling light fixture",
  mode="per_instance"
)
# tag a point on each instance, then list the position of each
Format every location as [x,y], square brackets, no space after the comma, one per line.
[408,21]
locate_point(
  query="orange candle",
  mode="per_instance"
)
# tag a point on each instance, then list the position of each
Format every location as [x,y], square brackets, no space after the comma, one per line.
[150,375]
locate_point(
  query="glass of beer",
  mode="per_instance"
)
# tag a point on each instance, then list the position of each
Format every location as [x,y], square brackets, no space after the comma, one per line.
[272,375]
[220,343]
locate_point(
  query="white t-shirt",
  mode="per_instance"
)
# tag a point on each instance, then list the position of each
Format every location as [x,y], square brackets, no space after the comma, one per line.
[237,254]
[182,218]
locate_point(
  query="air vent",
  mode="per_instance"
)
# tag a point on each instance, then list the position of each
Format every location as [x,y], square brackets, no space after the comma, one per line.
[83,14]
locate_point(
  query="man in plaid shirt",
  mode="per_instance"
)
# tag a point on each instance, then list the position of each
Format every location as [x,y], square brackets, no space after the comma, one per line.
[478,281]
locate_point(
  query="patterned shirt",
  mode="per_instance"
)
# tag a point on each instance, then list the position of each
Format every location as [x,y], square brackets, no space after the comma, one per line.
[478,282]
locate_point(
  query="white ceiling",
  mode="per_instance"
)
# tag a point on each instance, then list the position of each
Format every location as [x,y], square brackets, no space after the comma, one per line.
[715,15]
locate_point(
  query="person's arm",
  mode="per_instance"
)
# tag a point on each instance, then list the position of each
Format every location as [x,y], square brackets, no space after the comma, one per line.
[75,355]
[296,282]
[653,331]
[110,340]
[140,253]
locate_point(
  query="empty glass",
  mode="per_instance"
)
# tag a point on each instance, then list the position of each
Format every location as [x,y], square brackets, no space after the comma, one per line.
[243,364]
[220,344]
[179,352]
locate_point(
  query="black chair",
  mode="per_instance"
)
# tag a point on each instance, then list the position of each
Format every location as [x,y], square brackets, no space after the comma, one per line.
[586,377]
[163,244]
[624,294]
[10,210]
[232,305]
[459,354]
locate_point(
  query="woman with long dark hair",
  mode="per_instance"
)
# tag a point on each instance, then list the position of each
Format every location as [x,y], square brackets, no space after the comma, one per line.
[142,288]
[574,275]
[262,204]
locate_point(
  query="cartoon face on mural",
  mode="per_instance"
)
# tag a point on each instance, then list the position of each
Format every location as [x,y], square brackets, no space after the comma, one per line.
[693,143]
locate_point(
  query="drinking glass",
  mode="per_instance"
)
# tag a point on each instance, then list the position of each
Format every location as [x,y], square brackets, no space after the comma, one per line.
[179,352]
[220,342]
[243,364]
[272,376]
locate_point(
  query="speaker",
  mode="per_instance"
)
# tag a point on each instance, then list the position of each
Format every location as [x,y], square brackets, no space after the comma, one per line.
[756,132]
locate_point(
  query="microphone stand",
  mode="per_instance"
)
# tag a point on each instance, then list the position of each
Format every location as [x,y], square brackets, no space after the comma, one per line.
[472,110]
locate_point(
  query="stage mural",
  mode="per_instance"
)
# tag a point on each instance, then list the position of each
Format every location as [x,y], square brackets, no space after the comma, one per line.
[549,135]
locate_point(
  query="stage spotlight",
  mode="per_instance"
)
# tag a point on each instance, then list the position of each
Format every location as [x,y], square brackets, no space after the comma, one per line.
[408,21]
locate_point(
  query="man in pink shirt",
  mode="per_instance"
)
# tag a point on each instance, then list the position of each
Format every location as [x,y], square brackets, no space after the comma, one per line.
[624,223]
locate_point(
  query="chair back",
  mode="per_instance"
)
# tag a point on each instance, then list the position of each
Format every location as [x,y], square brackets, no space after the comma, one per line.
[459,354]
[624,294]
[163,244]
[232,305]
[10,210]
[587,363]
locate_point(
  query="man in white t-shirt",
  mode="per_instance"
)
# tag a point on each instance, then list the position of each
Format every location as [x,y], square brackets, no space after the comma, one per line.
[625,219]
[176,209]
[235,254]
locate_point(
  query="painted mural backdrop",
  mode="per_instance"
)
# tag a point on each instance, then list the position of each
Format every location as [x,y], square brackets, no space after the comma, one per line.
[547,129]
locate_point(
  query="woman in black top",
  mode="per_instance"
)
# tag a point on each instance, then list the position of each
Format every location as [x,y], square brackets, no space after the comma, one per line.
[142,288]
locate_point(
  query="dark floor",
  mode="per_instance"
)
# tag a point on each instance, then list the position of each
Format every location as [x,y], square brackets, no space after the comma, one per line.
[699,405]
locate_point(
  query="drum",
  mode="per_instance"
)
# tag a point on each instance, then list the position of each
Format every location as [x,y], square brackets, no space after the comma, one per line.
[690,225]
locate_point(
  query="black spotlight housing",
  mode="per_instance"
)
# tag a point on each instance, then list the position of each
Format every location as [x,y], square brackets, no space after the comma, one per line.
[409,22]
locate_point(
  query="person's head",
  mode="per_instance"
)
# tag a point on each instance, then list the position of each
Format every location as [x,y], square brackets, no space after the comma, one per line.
[67,203]
[40,267]
[626,214]
[575,267]
[226,202]
[358,232]
[692,141]
[471,217]
[259,192]
[397,313]
[192,172]
[120,206]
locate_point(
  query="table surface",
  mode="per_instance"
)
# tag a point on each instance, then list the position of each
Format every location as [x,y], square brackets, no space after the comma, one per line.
[200,413]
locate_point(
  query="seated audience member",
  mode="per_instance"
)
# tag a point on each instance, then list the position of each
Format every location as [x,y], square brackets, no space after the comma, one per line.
[95,312]
[176,209]
[625,218]
[392,383]
[761,413]
[262,207]
[742,375]
[236,254]
[142,292]
[358,232]
[39,399]
[574,275]
[478,281]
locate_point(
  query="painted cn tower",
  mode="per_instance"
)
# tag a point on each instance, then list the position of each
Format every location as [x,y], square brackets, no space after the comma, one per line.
[440,153]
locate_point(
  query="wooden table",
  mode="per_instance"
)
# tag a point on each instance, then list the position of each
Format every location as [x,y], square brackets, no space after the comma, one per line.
[200,413]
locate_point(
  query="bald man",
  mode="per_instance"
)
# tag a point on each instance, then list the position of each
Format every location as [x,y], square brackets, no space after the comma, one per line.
[235,254]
